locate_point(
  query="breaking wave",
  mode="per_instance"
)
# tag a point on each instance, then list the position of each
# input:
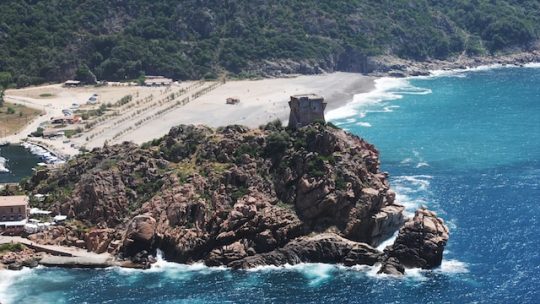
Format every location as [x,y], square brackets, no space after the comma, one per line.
[386,88]
[462,73]
[363,124]
[453,266]
[8,278]
[412,191]
[43,154]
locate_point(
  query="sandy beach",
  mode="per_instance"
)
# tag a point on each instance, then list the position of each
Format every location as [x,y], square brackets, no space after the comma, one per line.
[152,113]
[261,101]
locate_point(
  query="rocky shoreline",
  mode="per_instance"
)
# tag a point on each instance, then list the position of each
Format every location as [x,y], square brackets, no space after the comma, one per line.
[392,66]
[239,198]
[389,65]
[420,244]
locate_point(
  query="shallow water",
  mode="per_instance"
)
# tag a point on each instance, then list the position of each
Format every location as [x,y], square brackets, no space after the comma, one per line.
[466,145]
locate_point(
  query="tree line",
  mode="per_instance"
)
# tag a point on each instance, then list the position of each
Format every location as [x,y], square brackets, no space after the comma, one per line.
[53,40]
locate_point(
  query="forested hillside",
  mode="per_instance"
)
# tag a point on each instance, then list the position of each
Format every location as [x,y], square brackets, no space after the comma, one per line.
[48,40]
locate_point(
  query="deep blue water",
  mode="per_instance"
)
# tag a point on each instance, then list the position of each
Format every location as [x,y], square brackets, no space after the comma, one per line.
[466,146]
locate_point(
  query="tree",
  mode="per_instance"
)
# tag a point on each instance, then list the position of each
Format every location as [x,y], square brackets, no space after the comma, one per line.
[1,96]
[141,79]
[83,74]
[23,81]
[5,79]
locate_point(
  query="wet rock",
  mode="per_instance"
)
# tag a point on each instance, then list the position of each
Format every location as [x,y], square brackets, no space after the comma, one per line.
[420,243]
[323,248]
[392,266]
[15,266]
[31,263]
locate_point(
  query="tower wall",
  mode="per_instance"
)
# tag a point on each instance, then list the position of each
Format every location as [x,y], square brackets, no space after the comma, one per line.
[306,109]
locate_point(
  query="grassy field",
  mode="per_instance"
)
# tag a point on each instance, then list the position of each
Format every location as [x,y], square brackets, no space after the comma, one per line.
[14,117]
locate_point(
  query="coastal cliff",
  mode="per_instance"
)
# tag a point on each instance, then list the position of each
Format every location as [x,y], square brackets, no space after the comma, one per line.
[238,197]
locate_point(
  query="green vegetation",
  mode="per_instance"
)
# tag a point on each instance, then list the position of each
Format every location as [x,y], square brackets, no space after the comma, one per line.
[278,142]
[9,190]
[15,247]
[1,97]
[122,101]
[79,226]
[38,132]
[71,133]
[53,40]
[239,193]
[283,205]
[45,95]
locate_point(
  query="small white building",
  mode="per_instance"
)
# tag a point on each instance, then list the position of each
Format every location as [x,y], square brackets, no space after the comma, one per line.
[154,81]
[72,83]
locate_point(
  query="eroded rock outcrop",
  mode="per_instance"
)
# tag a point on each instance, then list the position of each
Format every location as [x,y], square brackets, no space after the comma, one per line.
[420,244]
[140,235]
[232,196]
[323,248]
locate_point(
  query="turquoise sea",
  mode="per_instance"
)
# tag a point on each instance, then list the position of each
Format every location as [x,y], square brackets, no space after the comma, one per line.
[465,144]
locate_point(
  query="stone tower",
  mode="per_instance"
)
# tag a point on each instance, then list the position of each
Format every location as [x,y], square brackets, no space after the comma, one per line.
[306,109]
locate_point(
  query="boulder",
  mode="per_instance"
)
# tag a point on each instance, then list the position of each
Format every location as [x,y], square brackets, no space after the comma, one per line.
[140,235]
[420,244]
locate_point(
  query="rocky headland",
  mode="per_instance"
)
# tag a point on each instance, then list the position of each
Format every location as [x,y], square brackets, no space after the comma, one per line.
[398,67]
[240,198]
[390,65]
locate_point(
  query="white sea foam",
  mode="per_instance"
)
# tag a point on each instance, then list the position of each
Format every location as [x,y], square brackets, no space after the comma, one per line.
[412,191]
[8,278]
[422,164]
[407,160]
[388,242]
[413,183]
[363,124]
[316,273]
[384,88]
[3,165]
[388,88]
[42,153]
[170,269]
[371,271]
[390,108]
[453,266]
[533,65]
[462,73]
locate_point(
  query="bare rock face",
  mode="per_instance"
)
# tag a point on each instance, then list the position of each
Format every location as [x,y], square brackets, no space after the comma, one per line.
[105,187]
[58,235]
[239,198]
[420,244]
[323,248]
[98,240]
[140,235]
